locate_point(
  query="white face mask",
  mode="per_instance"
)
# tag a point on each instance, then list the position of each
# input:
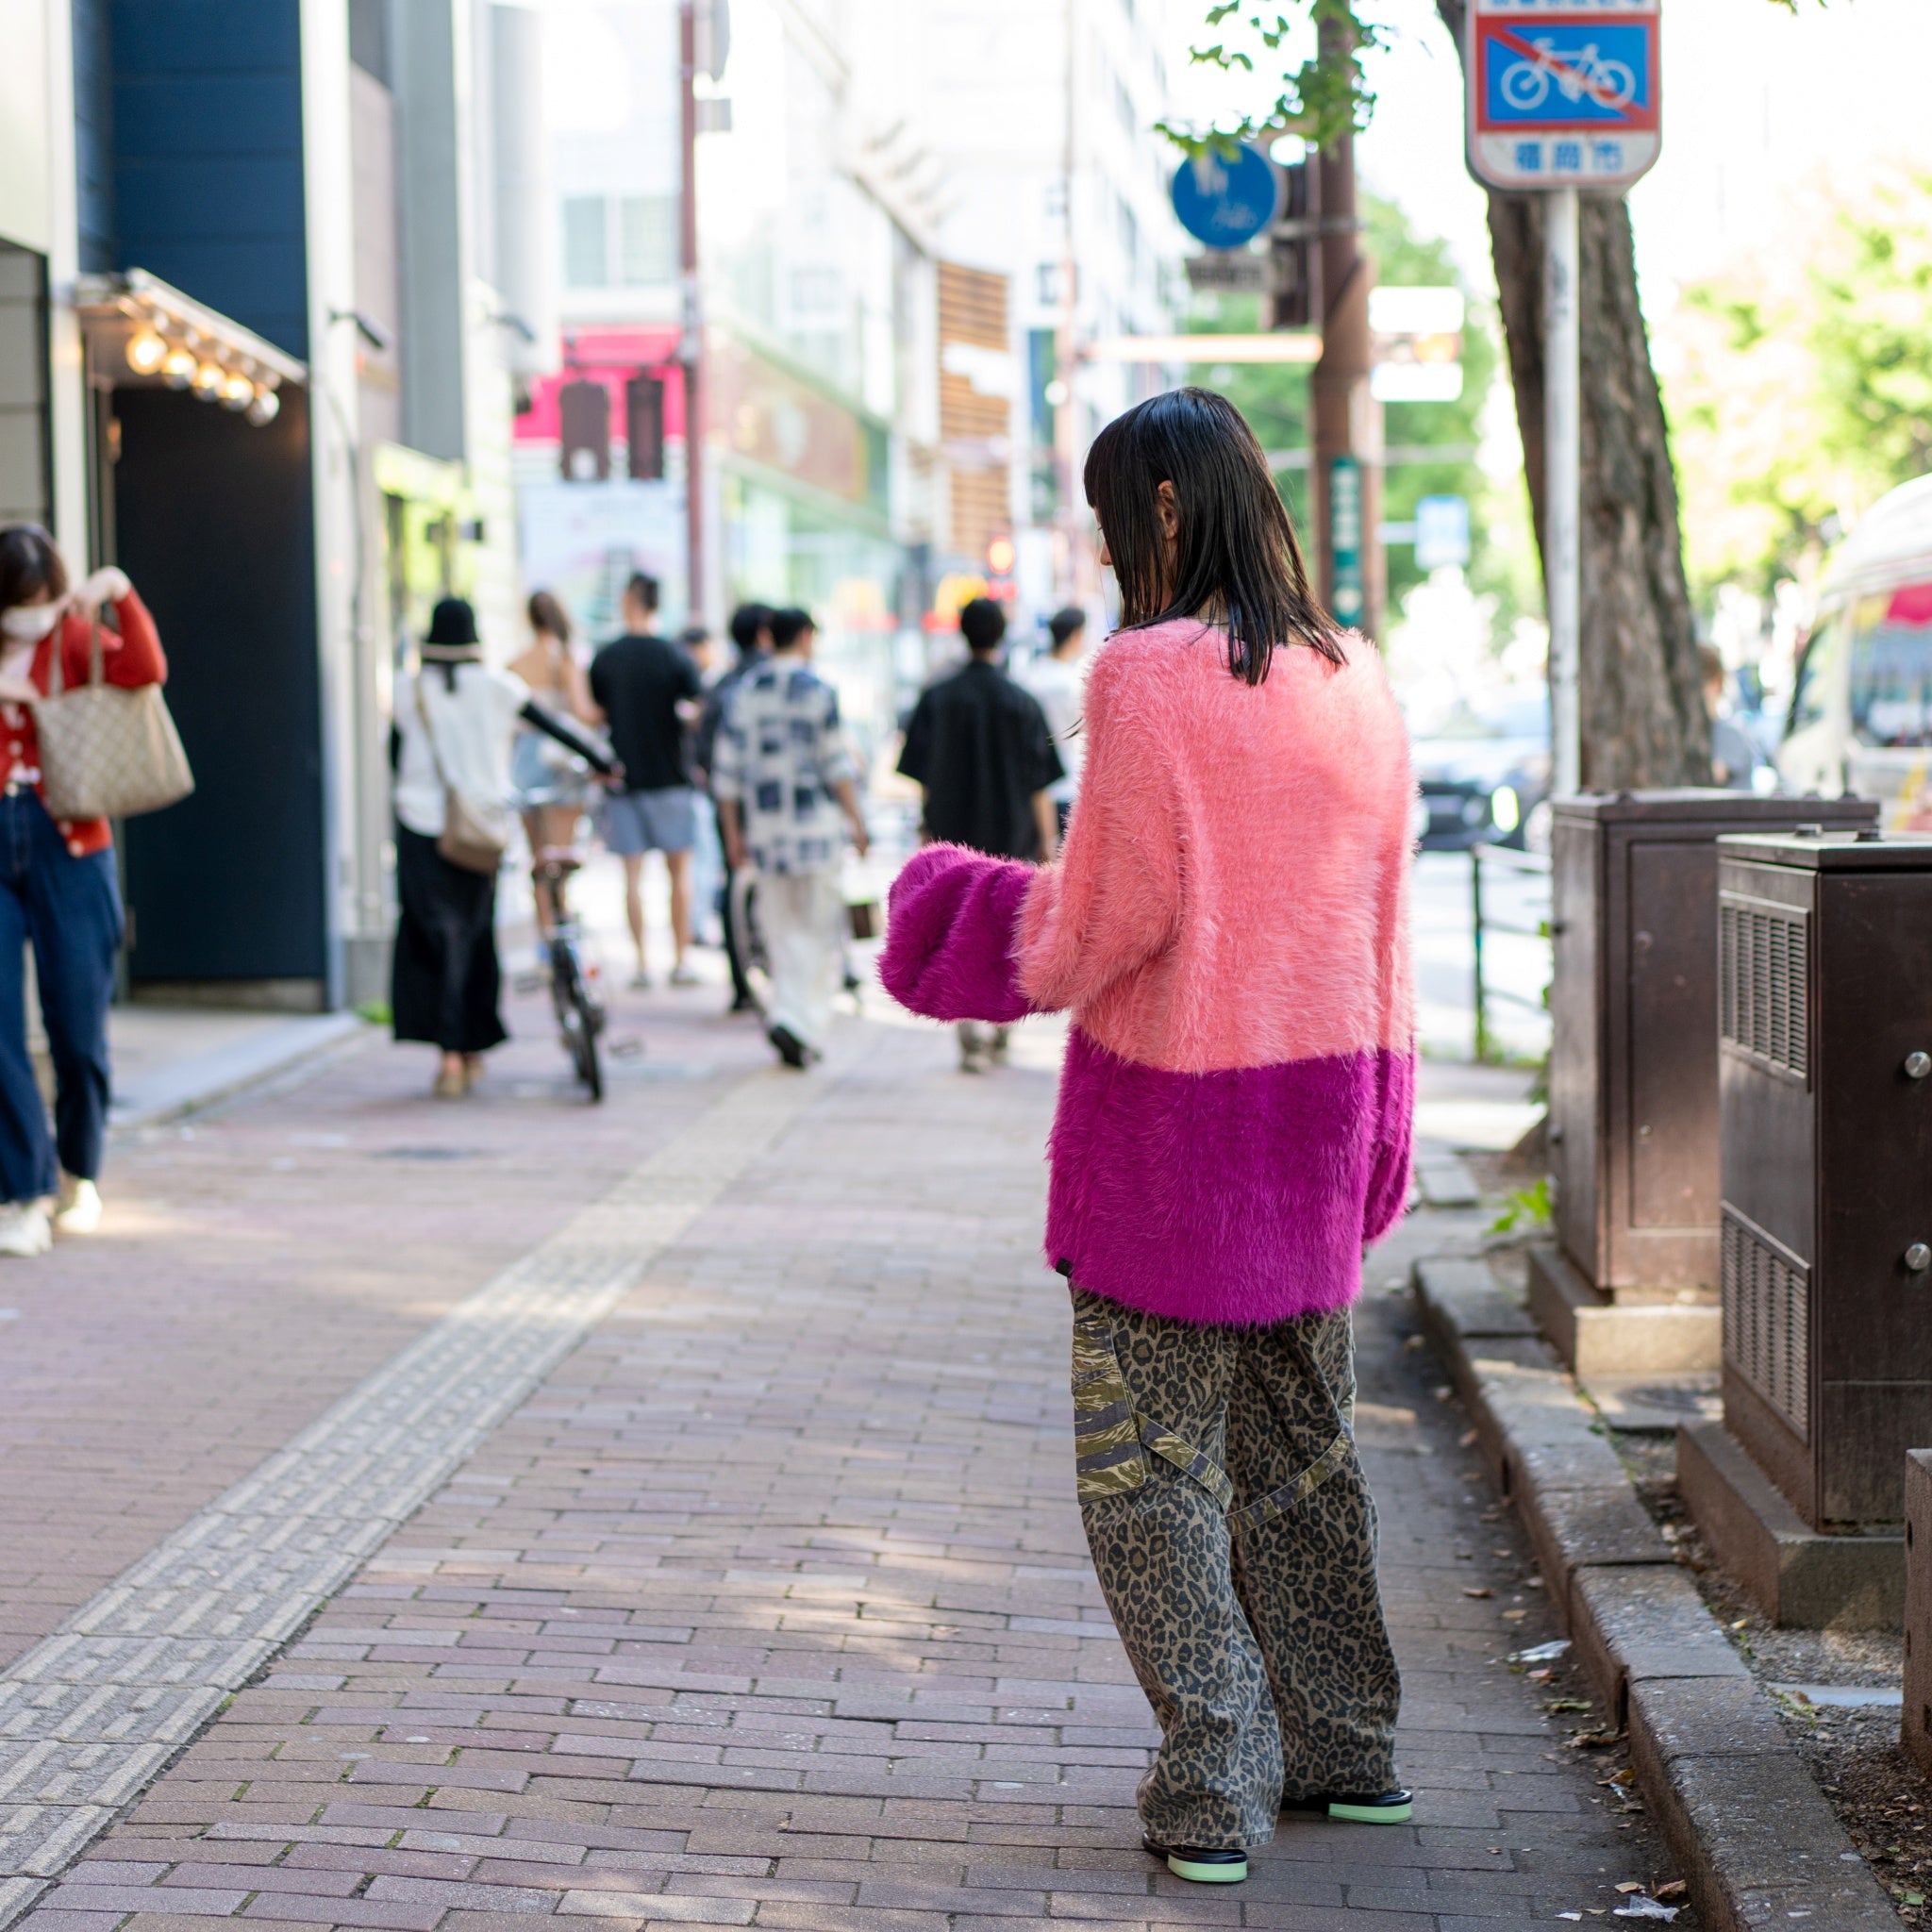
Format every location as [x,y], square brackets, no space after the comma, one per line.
[30,622]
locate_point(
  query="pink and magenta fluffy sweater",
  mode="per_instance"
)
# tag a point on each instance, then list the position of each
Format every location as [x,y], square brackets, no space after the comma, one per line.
[1228,923]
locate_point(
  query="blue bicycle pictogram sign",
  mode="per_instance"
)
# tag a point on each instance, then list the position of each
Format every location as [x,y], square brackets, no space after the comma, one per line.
[1570,73]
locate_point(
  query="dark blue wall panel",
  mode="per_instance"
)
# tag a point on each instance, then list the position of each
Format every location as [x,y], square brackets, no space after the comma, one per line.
[207,155]
[205,132]
[93,132]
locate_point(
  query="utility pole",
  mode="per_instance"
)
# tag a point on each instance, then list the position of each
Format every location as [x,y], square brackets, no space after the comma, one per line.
[690,349]
[1564,485]
[1347,474]
[1073,584]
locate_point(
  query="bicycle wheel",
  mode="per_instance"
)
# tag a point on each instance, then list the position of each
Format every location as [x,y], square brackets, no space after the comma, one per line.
[1616,86]
[583,1038]
[1526,85]
[563,981]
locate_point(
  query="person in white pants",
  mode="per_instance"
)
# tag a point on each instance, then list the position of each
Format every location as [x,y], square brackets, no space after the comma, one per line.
[782,775]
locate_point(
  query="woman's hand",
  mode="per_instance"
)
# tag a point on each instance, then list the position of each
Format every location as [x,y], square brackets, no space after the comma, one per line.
[107,585]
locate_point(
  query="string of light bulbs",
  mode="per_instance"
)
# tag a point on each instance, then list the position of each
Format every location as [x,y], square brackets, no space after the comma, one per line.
[183,365]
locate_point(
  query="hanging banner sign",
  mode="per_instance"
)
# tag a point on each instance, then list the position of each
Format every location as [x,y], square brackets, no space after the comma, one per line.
[1345,536]
[1563,94]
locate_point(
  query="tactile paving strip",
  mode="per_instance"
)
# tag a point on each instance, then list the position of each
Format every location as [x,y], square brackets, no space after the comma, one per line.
[90,1715]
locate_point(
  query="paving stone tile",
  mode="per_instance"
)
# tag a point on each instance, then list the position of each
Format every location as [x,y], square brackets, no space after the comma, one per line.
[39,1841]
[61,1774]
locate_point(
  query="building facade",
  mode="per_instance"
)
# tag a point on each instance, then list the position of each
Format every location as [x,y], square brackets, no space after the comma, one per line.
[1040,120]
[262,269]
[909,219]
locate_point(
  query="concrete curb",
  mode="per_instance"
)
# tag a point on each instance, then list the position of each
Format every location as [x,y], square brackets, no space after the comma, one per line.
[207,1079]
[1756,1838]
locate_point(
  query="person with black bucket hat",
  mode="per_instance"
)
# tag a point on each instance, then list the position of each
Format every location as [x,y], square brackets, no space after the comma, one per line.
[455,717]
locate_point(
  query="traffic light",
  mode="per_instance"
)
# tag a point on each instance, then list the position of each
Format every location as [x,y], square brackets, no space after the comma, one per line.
[1291,253]
[644,424]
[583,410]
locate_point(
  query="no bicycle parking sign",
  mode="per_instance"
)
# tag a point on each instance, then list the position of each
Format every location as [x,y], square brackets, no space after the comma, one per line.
[1563,94]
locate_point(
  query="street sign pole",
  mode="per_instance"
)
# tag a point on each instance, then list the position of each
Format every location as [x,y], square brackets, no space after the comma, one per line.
[1564,95]
[1564,485]
[690,351]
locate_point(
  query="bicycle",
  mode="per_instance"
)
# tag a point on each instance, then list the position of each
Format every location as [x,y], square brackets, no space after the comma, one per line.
[1607,84]
[574,976]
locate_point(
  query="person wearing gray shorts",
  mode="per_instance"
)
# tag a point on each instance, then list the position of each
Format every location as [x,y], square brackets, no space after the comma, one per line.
[664,819]
[646,691]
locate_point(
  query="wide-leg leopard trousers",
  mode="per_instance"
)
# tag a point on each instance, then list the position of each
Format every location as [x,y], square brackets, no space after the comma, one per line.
[1235,1540]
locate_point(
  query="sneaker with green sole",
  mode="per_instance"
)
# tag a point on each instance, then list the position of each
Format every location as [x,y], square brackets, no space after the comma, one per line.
[1355,1807]
[1199,1864]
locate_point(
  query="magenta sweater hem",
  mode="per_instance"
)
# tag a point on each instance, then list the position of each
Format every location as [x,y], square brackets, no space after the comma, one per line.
[1239,1198]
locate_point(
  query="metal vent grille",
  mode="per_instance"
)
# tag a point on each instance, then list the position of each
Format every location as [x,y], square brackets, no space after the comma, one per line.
[1768,1319]
[1762,961]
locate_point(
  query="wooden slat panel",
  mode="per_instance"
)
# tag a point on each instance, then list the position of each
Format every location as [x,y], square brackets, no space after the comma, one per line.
[965,412]
[979,509]
[972,307]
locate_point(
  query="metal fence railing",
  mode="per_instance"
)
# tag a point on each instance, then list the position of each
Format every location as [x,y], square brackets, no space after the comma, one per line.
[1528,865]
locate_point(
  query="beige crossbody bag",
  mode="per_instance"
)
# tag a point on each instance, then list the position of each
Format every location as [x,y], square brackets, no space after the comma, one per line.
[474,838]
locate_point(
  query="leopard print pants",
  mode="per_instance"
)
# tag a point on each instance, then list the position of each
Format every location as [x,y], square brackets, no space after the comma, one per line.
[1235,1540]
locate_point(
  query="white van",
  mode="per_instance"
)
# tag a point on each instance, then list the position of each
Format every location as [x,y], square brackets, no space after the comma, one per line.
[1861,706]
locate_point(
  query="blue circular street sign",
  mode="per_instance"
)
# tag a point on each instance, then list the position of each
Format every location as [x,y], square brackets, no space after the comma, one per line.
[1226,203]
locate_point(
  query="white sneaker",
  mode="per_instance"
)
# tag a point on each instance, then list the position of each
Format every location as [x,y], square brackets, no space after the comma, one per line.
[25,1229]
[79,1211]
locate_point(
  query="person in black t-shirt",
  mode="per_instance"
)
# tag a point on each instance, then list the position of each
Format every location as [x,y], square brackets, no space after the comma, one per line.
[983,755]
[647,691]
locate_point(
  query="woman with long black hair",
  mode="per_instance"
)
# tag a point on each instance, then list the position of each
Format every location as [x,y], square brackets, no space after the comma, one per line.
[1227,923]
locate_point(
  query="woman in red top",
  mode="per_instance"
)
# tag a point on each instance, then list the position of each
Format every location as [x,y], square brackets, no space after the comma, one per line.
[58,890]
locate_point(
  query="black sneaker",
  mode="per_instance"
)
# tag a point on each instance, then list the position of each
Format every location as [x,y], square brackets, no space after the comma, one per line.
[1199,1866]
[789,1048]
[1355,1807]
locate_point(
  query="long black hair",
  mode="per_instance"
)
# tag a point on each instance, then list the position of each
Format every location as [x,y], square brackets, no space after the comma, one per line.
[1234,549]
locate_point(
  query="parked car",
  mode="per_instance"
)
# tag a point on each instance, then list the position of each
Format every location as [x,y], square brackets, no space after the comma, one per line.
[1483,772]
[1861,718]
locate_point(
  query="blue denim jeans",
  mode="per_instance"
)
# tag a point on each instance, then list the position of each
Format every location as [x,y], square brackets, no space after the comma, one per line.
[69,910]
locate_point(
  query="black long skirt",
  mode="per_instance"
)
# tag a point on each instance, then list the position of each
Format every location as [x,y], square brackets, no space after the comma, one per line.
[445,984]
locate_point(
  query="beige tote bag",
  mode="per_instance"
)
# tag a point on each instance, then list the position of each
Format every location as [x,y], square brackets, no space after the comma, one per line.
[106,752]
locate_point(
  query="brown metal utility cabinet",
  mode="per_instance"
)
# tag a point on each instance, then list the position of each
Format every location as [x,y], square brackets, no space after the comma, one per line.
[1633,1064]
[1826,1070]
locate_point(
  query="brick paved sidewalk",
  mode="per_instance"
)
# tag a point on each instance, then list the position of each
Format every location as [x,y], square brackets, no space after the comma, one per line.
[771,1608]
[257,1262]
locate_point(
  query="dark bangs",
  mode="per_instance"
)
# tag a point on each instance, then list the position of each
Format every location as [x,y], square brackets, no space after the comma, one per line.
[1235,553]
[29,563]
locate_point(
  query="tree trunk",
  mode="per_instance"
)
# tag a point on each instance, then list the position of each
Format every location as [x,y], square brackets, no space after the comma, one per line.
[1643,703]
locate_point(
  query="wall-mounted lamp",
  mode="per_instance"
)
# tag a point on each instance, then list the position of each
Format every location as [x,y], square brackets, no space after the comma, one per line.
[146,352]
[266,406]
[179,367]
[373,333]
